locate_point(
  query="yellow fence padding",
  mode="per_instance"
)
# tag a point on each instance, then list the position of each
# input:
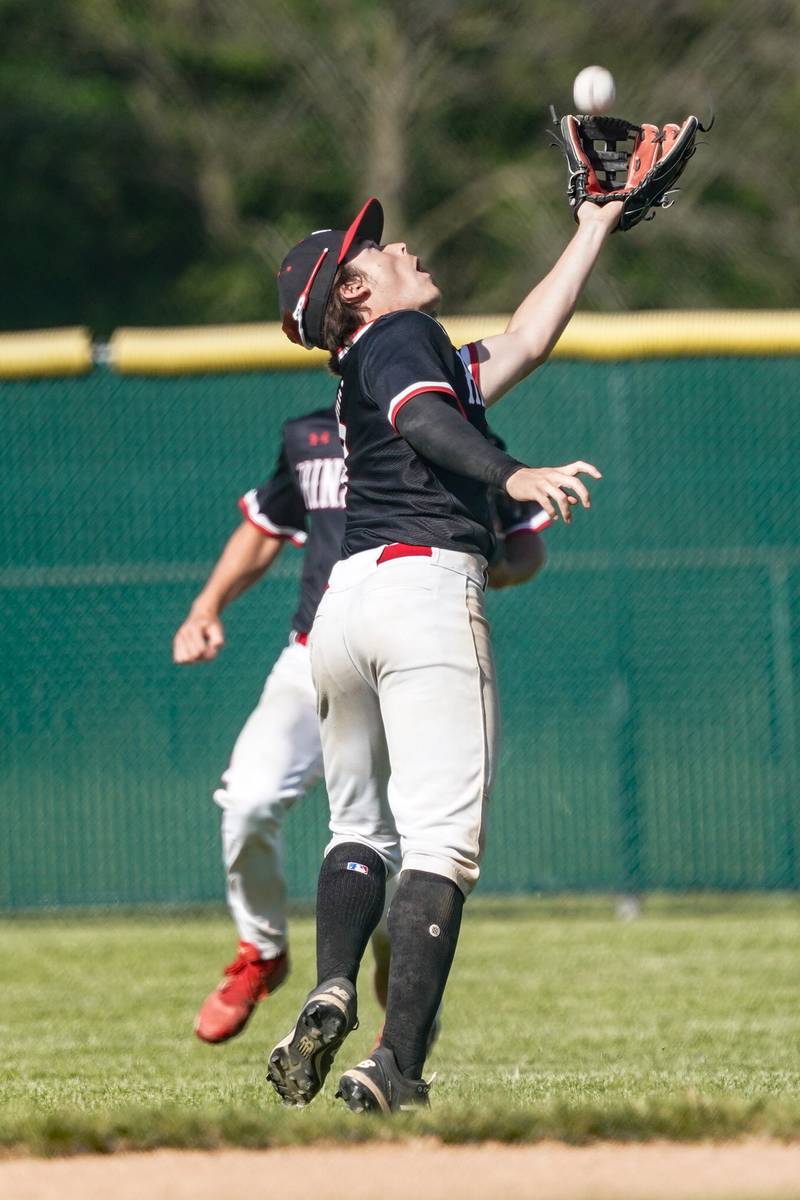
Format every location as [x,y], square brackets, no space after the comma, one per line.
[684,334]
[208,348]
[220,348]
[589,336]
[45,352]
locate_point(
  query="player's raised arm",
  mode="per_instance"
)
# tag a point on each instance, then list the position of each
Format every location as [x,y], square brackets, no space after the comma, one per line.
[248,553]
[543,315]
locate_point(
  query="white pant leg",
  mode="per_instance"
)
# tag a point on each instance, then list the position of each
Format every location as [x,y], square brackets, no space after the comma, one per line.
[353,742]
[413,644]
[438,697]
[276,758]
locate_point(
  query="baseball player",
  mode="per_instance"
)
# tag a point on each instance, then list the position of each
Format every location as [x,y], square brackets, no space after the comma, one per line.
[278,754]
[400,649]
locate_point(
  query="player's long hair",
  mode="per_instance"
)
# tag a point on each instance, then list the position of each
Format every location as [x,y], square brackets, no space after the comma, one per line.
[341,319]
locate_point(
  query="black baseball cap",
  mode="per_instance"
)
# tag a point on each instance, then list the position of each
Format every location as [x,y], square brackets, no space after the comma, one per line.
[306,276]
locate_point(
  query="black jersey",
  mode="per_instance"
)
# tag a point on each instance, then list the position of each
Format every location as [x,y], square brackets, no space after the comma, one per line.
[303,502]
[394,495]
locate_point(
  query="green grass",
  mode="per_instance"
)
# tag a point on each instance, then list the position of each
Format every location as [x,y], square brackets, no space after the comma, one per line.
[559,1021]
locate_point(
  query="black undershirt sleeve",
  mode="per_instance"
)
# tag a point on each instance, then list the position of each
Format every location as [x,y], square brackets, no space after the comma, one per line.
[438,433]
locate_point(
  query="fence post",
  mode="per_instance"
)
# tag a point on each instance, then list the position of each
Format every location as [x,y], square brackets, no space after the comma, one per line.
[624,697]
[625,717]
[783,718]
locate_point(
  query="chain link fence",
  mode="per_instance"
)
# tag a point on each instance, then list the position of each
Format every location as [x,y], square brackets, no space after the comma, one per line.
[648,676]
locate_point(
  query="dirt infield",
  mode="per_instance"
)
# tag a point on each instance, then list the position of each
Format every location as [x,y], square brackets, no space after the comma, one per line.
[751,1170]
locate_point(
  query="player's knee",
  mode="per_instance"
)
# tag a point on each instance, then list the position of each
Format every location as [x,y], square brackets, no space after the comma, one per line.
[388,851]
[461,869]
[258,806]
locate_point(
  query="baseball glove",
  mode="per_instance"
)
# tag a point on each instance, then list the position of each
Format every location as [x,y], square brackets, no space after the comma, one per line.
[611,159]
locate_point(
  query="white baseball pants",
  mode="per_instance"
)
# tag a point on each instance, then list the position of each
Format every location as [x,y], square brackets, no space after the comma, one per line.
[276,758]
[406,694]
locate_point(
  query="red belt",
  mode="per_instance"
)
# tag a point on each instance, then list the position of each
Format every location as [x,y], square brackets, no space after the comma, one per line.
[401,550]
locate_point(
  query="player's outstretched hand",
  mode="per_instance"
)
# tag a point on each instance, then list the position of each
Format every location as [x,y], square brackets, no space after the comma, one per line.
[200,638]
[553,487]
[605,215]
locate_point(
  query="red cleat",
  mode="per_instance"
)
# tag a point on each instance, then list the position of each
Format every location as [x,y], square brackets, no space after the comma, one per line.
[248,979]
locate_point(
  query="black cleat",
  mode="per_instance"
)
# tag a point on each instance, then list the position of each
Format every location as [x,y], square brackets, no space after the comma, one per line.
[299,1064]
[377,1085]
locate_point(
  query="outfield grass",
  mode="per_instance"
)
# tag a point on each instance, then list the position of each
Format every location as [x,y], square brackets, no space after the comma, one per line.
[559,1021]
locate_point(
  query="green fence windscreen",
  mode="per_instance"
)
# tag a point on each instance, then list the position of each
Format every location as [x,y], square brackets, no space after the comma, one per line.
[648,677]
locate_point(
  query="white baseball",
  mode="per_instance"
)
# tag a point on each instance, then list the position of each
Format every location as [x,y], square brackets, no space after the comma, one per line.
[593,91]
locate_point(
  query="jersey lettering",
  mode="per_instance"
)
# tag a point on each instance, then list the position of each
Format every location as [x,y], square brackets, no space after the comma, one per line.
[304,500]
[321,482]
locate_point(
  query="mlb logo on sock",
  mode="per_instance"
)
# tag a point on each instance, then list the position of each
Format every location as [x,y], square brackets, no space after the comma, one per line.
[358,867]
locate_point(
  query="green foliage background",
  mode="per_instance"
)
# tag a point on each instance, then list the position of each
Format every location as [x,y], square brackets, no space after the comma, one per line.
[159,155]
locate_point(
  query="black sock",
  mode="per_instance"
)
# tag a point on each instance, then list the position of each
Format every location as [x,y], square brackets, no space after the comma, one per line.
[350,895]
[424,922]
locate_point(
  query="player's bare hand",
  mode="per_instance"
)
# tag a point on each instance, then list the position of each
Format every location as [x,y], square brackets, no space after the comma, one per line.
[557,489]
[606,216]
[199,639]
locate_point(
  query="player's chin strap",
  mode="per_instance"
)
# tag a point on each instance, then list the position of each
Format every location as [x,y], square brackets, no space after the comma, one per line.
[298,316]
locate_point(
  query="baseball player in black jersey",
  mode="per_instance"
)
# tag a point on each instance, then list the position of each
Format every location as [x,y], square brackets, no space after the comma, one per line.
[400,649]
[278,755]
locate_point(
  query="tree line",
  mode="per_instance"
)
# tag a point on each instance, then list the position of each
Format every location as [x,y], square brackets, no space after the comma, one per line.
[160,155]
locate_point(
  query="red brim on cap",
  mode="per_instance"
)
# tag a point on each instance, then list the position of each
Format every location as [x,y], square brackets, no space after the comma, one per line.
[367,227]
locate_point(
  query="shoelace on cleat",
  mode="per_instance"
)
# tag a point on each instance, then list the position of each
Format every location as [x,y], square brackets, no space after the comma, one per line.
[240,965]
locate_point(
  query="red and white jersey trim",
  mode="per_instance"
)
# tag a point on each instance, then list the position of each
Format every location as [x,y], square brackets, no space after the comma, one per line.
[415,389]
[469,356]
[249,506]
[359,333]
[534,524]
